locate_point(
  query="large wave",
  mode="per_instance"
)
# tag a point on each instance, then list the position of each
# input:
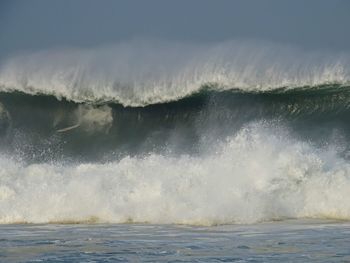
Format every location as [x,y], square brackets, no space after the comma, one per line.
[140,73]
[174,133]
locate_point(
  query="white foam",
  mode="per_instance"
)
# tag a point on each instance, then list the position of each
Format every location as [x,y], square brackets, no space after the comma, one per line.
[88,117]
[259,174]
[139,73]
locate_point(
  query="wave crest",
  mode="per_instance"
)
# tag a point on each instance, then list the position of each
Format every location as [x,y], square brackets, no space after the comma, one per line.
[149,72]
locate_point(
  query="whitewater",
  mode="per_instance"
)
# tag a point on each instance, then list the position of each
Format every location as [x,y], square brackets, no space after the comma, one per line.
[173,133]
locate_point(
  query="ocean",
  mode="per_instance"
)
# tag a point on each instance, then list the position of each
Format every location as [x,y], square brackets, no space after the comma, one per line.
[288,241]
[175,152]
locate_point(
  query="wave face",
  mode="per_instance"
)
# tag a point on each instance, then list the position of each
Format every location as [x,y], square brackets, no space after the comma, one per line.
[181,134]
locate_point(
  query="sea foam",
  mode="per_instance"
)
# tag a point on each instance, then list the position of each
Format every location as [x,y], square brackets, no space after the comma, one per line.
[259,174]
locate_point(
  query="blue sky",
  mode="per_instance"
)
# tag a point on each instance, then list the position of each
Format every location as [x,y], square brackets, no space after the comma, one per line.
[41,24]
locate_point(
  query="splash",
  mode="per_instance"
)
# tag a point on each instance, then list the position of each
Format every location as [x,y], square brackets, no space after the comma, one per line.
[89,118]
[259,174]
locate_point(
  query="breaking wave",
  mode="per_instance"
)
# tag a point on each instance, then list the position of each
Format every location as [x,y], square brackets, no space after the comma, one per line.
[259,174]
[174,133]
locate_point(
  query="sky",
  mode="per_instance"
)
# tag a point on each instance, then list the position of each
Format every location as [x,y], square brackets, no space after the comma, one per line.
[43,24]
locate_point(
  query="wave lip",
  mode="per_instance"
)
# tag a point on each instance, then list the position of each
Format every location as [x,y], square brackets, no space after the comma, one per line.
[136,74]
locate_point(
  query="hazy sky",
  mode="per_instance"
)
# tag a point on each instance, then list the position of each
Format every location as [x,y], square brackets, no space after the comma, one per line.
[42,24]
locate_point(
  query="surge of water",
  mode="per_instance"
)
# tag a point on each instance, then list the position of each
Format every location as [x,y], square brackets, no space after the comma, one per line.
[259,174]
[265,139]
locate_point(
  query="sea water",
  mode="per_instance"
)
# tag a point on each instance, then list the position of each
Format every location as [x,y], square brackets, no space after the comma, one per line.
[287,241]
[175,152]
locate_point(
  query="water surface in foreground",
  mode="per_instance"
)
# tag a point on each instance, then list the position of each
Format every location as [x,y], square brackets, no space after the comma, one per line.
[285,241]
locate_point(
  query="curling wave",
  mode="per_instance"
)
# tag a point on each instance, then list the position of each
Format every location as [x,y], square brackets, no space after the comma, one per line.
[174,133]
[42,128]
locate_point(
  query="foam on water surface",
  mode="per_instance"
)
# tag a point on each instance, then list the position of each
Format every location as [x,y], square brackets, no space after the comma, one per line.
[260,174]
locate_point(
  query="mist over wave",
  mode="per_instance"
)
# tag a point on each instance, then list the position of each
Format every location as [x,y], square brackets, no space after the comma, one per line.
[139,73]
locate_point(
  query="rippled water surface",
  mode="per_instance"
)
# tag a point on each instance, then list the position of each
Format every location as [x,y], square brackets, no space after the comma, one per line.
[286,241]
